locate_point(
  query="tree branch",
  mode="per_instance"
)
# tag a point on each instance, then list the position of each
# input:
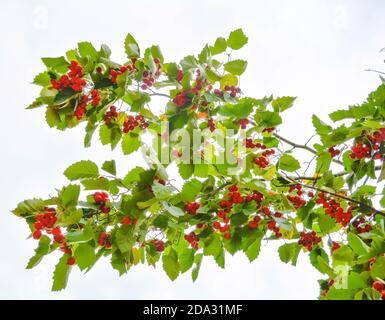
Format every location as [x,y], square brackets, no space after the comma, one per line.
[302,146]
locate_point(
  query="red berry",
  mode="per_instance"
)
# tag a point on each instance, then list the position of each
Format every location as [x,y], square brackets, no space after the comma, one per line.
[378,286]
[36,234]
[71,261]
[56,231]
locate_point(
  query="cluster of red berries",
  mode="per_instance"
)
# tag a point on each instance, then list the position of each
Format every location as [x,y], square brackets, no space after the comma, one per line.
[334,209]
[44,221]
[158,180]
[296,200]
[268,130]
[360,151]
[181,99]
[114,73]
[81,108]
[334,152]
[110,115]
[72,79]
[132,122]
[327,287]
[148,78]
[234,195]
[261,162]
[192,239]
[254,224]
[211,124]
[250,144]
[243,123]
[128,221]
[335,246]
[361,225]
[309,239]
[379,287]
[192,207]
[104,240]
[255,196]
[272,225]
[101,198]
[159,245]
[233,90]
[95,97]
[179,75]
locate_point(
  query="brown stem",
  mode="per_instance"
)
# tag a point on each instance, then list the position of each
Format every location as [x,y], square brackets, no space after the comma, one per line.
[343,197]
[303,146]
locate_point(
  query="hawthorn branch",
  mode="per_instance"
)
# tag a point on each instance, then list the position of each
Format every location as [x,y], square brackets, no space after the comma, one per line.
[363,204]
[338,174]
[302,146]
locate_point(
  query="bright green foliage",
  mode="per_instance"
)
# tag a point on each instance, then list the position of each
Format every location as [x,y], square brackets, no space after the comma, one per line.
[329,206]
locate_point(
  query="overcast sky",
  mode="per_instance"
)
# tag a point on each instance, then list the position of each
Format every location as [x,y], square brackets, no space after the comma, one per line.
[316,50]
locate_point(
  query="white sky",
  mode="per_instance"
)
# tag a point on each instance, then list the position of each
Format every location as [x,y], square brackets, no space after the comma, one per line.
[316,50]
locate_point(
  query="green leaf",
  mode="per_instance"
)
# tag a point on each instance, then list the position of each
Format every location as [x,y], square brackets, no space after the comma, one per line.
[339,294]
[96,184]
[239,110]
[213,246]
[320,127]
[175,211]
[65,95]
[171,264]
[191,189]
[34,261]
[341,115]
[82,169]
[282,103]
[356,243]
[326,223]
[42,79]
[288,252]
[29,206]
[186,170]
[219,46]
[288,163]
[131,47]
[162,192]
[269,119]
[109,135]
[58,64]
[61,273]
[320,260]
[83,235]
[237,39]
[69,195]
[253,250]
[85,256]
[86,49]
[124,240]
[343,256]
[323,162]
[381,177]
[133,176]
[186,259]
[378,268]
[198,262]
[130,143]
[228,80]
[236,67]
[110,167]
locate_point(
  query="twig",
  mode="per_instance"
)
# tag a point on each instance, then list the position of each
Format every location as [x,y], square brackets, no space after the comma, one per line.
[302,146]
